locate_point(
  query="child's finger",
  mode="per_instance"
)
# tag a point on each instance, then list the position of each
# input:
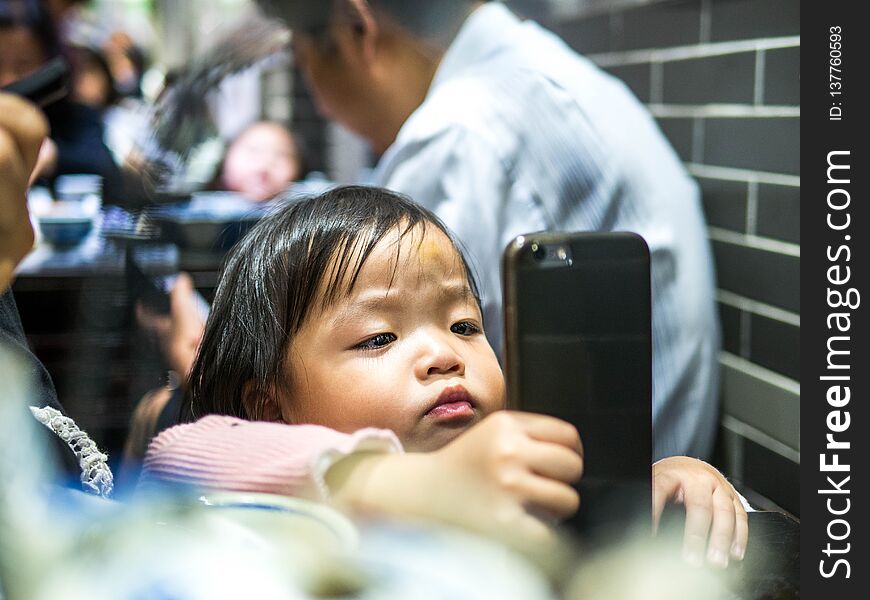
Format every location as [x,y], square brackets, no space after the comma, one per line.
[554,461]
[664,489]
[546,496]
[545,428]
[741,531]
[699,515]
[722,529]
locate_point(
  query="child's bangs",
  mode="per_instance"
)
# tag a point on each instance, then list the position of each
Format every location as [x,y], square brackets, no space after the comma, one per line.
[353,249]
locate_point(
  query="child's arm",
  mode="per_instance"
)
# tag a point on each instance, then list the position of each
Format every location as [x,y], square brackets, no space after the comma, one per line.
[508,477]
[229,454]
[713,508]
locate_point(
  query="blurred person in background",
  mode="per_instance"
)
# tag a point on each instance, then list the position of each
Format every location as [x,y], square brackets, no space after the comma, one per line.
[28,40]
[261,162]
[65,14]
[93,84]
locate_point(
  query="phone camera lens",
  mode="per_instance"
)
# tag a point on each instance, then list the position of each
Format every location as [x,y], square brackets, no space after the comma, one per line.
[539,252]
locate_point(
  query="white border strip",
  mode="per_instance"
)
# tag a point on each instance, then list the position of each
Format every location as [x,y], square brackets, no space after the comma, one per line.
[612,59]
[733,174]
[760,438]
[758,308]
[665,111]
[753,370]
[754,241]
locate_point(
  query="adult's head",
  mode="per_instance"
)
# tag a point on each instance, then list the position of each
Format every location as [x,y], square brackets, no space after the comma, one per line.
[27,39]
[370,64]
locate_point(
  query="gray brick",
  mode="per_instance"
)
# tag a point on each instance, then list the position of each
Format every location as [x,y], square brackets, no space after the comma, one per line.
[772,475]
[782,71]
[729,319]
[636,77]
[760,144]
[758,402]
[748,19]
[722,79]
[587,36]
[779,212]
[776,346]
[662,25]
[724,203]
[679,133]
[762,275]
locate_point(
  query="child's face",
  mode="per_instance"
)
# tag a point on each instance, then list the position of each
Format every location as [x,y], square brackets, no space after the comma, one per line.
[261,162]
[405,350]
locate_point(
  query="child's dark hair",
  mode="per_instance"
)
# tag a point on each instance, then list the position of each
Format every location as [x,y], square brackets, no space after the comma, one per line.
[304,252]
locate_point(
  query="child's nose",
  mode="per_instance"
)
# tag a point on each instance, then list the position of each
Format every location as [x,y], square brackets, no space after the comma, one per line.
[439,358]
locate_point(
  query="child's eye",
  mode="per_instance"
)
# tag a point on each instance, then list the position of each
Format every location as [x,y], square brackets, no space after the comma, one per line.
[377,341]
[465,328]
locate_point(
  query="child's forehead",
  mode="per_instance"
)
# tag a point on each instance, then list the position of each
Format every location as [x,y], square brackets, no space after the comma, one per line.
[422,249]
[402,258]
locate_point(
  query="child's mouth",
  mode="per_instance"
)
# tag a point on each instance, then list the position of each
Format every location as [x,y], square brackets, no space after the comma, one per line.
[453,403]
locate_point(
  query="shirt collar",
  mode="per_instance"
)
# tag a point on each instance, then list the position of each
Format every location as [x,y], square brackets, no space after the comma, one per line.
[482,34]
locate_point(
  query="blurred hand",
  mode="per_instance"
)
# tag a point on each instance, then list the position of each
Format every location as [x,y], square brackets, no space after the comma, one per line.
[509,476]
[713,509]
[46,162]
[180,332]
[22,130]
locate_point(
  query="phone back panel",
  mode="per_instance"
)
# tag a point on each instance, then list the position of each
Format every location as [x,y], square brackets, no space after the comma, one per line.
[578,347]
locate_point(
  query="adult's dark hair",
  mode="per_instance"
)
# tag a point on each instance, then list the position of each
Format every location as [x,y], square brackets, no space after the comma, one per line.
[304,255]
[31,15]
[432,18]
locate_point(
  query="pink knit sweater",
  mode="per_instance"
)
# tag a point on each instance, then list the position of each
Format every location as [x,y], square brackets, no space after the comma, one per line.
[216,453]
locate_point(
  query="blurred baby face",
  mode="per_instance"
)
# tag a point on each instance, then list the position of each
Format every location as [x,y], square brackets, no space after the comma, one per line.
[261,162]
[405,350]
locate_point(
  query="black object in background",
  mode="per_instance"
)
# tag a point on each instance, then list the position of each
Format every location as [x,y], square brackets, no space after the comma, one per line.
[45,86]
[578,347]
[148,290]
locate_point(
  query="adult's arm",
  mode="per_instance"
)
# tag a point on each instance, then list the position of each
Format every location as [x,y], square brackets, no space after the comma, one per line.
[22,130]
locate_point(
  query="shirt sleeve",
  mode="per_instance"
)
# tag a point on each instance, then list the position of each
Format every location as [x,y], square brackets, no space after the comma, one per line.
[230,454]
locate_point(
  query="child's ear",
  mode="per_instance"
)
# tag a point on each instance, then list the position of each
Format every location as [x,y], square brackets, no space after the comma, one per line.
[260,406]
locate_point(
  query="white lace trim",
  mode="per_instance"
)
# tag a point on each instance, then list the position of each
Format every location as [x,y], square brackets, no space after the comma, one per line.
[96,474]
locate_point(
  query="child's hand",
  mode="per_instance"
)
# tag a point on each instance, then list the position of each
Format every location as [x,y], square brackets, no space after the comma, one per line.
[712,507]
[526,461]
[508,476]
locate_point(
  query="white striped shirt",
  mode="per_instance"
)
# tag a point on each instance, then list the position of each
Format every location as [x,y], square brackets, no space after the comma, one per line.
[519,134]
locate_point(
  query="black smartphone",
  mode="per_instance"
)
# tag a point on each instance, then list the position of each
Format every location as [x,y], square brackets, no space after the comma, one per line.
[45,86]
[578,346]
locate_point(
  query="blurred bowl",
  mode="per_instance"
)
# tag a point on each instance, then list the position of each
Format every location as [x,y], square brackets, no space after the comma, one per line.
[64,231]
[207,225]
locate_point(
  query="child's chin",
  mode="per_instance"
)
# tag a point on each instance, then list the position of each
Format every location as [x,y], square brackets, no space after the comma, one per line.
[436,437]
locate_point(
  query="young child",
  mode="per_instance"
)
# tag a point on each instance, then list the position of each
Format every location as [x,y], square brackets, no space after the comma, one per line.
[261,161]
[354,317]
